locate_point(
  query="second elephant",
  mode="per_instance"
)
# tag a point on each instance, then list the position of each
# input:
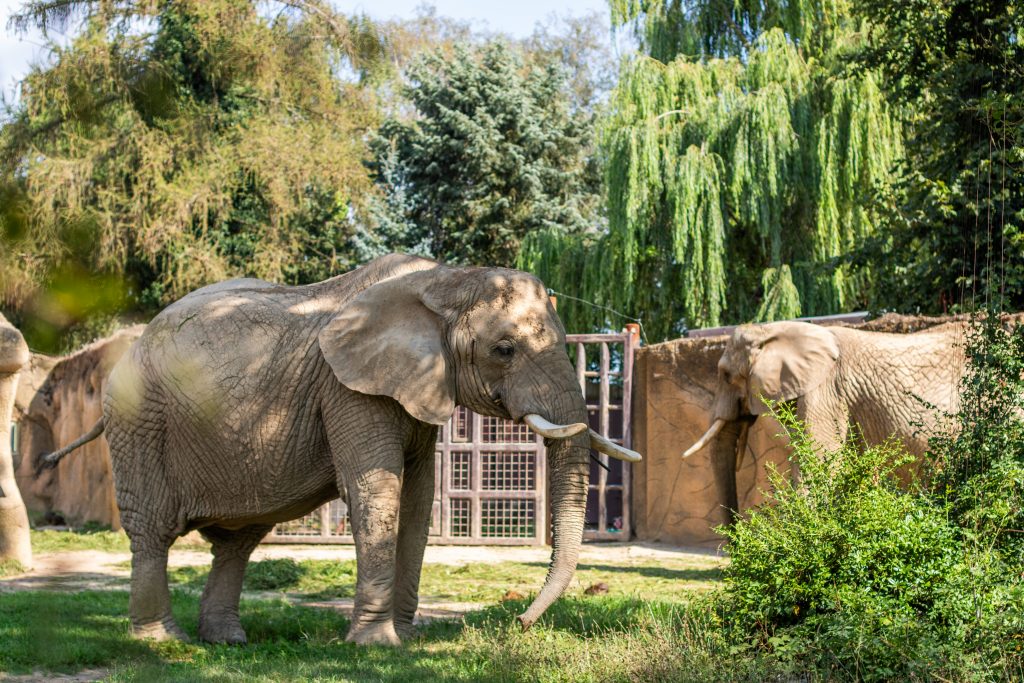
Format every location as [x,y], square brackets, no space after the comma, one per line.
[887,385]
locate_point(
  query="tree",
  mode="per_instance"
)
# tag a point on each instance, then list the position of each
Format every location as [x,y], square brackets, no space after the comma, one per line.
[738,152]
[176,143]
[494,153]
[952,231]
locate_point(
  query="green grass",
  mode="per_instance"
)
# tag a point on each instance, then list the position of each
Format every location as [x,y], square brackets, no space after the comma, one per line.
[643,629]
[671,580]
[580,639]
[10,568]
[51,541]
[91,538]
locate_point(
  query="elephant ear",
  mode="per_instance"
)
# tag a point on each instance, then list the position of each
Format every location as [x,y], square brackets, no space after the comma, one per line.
[388,342]
[793,359]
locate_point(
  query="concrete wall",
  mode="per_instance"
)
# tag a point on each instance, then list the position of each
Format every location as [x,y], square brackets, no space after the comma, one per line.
[59,400]
[675,500]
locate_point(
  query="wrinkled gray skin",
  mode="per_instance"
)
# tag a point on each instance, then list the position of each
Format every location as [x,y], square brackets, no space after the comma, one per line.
[246,404]
[14,530]
[837,376]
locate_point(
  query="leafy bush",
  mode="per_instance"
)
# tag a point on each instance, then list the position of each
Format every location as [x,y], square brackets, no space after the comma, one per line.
[843,573]
[979,461]
[846,576]
[845,526]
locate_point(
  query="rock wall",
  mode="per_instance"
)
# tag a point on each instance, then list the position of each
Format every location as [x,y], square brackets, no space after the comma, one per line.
[61,399]
[675,500]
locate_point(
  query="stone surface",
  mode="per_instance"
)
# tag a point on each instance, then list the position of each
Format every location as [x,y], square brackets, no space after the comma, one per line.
[60,400]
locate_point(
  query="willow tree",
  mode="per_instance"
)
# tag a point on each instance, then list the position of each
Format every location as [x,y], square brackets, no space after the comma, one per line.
[739,152]
[171,144]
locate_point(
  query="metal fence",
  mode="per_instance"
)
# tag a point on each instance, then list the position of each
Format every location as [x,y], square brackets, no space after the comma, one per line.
[490,479]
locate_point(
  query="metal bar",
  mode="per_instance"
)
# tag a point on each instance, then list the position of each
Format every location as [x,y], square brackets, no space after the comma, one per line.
[325,519]
[475,525]
[592,338]
[628,347]
[602,472]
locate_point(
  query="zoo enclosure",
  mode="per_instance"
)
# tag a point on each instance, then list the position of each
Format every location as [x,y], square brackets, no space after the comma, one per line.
[490,474]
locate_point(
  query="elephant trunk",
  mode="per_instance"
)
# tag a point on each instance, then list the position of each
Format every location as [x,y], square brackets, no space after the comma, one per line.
[569,464]
[723,462]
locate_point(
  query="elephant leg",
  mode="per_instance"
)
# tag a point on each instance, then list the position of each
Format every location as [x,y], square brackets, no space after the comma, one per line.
[374,485]
[413,528]
[149,606]
[218,608]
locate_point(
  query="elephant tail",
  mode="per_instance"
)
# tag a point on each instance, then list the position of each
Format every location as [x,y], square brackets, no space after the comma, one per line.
[50,460]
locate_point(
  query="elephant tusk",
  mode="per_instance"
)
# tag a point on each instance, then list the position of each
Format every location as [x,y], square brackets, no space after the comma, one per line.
[549,430]
[741,445]
[713,430]
[612,449]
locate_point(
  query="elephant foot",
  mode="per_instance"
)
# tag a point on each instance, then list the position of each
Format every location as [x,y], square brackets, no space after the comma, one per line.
[228,632]
[373,633]
[165,629]
[405,629]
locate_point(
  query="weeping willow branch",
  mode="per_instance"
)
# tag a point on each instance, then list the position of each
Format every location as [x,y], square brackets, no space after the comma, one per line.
[731,212]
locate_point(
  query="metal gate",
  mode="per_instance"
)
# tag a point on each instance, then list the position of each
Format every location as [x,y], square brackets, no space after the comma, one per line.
[490,474]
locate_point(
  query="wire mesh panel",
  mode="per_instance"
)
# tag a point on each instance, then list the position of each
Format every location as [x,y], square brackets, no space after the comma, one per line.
[508,470]
[490,474]
[493,484]
[508,518]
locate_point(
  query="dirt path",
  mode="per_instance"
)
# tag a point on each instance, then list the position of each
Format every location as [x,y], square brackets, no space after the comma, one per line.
[96,570]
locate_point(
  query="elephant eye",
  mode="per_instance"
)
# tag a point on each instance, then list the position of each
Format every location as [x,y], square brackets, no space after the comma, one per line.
[504,349]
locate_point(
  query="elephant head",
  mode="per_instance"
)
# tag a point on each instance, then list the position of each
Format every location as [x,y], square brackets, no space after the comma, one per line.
[487,339]
[777,361]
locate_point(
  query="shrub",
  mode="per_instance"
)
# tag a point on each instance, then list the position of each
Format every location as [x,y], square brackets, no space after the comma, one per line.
[979,461]
[844,573]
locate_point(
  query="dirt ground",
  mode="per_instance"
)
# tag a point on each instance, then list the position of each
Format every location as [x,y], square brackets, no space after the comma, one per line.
[94,569]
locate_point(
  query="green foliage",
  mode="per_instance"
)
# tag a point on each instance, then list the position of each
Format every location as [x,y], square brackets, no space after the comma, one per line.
[177,143]
[952,228]
[980,458]
[850,577]
[668,28]
[10,568]
[50,541]
[494,153]
[736,170]
[845,527]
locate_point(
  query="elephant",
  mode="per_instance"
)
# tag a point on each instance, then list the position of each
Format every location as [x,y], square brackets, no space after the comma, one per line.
[15,543]
[245,404]
[887,385]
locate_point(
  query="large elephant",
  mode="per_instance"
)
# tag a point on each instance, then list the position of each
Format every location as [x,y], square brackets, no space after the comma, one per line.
[15,543]
[887,385]
[246,404]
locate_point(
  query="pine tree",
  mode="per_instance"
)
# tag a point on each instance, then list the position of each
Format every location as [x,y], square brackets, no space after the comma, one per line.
[494,152]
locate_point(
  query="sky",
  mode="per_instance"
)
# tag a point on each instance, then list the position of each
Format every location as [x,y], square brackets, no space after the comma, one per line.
[517,18]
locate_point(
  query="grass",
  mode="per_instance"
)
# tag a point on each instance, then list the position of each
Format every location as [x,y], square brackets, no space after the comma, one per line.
[10,568]
[91,538]
[580,639]
[669,581]
[648,627]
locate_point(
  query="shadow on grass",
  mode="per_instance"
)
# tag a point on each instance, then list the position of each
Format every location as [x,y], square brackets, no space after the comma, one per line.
[585,616]
[707,574]
[89,630]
